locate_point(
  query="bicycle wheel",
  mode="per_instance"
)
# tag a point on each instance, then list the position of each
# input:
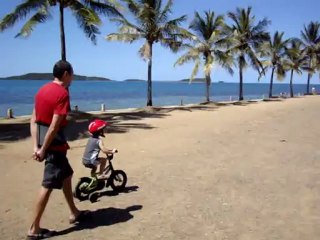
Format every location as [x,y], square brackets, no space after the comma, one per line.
[118,180]
[81,190]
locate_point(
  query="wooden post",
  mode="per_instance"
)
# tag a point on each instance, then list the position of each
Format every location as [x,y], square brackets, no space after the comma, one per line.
[9,113]
[103,107]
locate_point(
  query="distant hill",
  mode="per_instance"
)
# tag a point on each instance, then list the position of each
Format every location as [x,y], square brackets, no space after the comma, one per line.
[49,76]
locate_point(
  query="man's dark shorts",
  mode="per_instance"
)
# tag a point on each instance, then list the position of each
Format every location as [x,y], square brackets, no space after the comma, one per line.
[56,170]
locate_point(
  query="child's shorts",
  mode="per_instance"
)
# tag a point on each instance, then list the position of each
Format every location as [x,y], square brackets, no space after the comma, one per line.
[91,164]
[56,170]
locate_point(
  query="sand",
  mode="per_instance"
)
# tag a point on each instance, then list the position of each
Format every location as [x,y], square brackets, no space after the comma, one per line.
[248,171]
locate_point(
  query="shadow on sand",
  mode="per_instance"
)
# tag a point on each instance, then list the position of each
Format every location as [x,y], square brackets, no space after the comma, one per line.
[111,193]
[121,122]
[103,217]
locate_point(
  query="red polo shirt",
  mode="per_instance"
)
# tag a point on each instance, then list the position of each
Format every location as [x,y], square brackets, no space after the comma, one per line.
[52,99]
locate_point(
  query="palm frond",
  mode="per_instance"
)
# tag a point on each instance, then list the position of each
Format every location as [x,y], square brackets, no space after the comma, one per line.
[174,23]
[280,71]
[40,17]
[254,61]
[261,26]
[122,21]
[198,25]
[195,69]
[208,64]
[87,19]
[192,55]
[311,34]
[144,51]
[133,7]
[235,17]
[125,37]
[225,60]
[103,8]
[20,12]
[166,11]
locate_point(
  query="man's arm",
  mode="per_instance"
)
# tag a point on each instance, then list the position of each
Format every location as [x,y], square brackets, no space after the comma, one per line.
[51,133]
[34,131]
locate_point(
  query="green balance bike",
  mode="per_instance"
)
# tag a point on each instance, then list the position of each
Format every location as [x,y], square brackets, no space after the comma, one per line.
[89,187]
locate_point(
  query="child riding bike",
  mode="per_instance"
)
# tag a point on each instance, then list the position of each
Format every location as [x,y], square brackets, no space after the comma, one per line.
[94,145]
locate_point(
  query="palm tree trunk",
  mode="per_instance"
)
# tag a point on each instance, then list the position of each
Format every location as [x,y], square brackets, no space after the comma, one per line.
[309,77]
[62,36]
[291,86]
[208,83]
[308,83]
[241,79]
[271,83]
[149,98]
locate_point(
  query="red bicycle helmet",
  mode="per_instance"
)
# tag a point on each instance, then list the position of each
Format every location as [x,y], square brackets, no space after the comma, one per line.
[97,125]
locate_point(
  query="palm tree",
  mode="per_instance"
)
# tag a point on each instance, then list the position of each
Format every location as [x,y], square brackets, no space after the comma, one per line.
[296,60]
[275,49]
[311,41]
[86,13]
[207,40]
[151,22]
[248,37]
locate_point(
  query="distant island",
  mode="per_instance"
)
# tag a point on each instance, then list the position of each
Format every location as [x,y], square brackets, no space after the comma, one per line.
[49,76]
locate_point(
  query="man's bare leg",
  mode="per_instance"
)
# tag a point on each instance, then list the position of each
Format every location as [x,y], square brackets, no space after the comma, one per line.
[41,204]
[67,190]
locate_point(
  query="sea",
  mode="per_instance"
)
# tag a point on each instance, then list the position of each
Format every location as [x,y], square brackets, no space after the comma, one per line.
[89,95]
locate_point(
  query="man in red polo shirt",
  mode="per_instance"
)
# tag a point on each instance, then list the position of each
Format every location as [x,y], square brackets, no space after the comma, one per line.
[47,123]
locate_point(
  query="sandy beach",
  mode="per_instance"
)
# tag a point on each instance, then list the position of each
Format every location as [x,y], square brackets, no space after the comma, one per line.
[248,171]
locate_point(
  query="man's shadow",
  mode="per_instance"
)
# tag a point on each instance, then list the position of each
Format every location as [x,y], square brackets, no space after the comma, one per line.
[102,217]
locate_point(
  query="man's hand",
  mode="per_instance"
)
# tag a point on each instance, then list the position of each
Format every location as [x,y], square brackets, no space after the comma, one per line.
[39,155]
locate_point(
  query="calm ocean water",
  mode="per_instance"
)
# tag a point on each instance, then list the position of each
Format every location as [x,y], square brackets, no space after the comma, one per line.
[89,95]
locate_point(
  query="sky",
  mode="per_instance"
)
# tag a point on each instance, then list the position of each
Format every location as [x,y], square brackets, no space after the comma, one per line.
[120,61]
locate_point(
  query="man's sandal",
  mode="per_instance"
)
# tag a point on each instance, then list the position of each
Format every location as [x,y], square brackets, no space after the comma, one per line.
[43,233]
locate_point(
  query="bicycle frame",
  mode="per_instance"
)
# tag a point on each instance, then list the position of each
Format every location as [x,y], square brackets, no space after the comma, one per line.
[94,180]
[108,168]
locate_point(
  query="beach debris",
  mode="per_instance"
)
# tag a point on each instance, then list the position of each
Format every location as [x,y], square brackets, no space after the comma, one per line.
[283,140]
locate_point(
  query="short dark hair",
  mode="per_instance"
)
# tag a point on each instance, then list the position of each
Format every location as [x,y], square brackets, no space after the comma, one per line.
[60,67]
